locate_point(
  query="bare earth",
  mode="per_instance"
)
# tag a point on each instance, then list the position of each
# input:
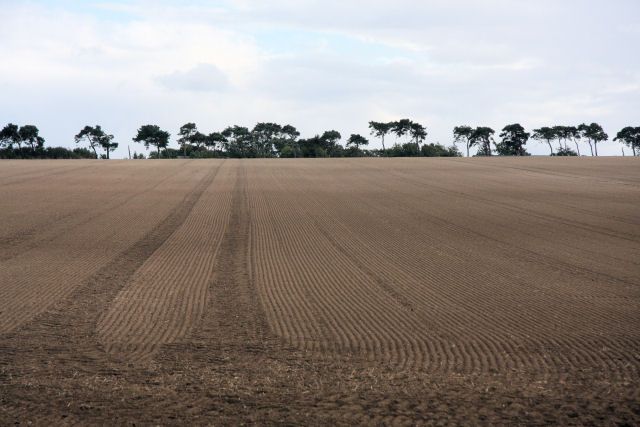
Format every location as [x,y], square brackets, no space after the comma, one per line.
[346,291]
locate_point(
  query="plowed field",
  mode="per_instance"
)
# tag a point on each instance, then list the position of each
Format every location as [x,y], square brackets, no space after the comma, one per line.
[348,291]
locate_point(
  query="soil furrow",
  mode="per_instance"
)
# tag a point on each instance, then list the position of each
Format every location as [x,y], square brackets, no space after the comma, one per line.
[323,292]
[175,278]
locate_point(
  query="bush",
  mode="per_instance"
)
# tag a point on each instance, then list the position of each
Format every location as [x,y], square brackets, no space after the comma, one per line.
[80,153]
[410,149]
[167,153]
[561,151]
[405,150]
[439,150]
[204,154]
[287,152]
[47,153]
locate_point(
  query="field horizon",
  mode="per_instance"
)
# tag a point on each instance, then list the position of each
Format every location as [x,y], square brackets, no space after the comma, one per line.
[395,291]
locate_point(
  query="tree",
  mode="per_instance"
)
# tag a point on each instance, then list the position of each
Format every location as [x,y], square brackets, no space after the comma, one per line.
[329,140]
[565,152]
[106,142]
[186,132]
[514,138]
[319,146]
[238,141]
[29,134]
[630,136]
[312,147]
[482,137]
[439,150]
[290,132]
[357,140]
[380,130]
[331,137]
[561,133]
[462,134]
[572,133]
[418,133]
[264,135]
[214,139]
[545,134]
[92,135]
[401,127]
[593,133]
[289,138]
[9,135]
[198,140]
[152,135]
[408,149]
[96,137]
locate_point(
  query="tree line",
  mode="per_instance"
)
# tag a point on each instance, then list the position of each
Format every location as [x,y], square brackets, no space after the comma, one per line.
[274,140]
[514,138]
[25,142]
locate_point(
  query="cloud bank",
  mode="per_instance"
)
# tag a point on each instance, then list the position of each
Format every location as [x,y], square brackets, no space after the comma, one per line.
[318,65]
[201,78]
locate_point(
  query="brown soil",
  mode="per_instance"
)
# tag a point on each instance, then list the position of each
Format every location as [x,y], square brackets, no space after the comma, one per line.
[347,291]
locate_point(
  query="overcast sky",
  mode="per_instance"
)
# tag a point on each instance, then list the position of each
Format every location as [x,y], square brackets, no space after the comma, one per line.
[318,65]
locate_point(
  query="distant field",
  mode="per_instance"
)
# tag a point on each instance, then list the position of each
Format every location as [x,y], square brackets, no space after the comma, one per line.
[496,290]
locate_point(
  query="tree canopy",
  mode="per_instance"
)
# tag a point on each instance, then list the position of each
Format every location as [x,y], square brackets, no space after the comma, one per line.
[630,136]
[594,134]
[10,135]
[269,139]
[380,130]
[152,135]
[357,140]
[187,133]
[514,138]
[29,135]
[462,134]
[418,133]
[545,133]
[96,137]
[482,137]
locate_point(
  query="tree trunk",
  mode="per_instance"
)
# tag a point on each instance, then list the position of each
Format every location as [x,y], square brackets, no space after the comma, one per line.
[107,153]
[158,150]
[590,147]
[467,148]
[487,148]
[550,146]
[596,147]
[577,147]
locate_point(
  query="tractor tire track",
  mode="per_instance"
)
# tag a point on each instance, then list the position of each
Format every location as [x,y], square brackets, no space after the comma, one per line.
[53,273]
[175,278]
[69,325]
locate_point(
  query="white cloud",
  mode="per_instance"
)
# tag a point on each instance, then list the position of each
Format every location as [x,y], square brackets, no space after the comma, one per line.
[318,64]
[201,78]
